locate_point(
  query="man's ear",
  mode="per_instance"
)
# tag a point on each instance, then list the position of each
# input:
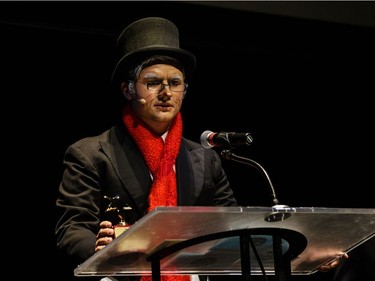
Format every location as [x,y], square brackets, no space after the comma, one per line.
[127,90]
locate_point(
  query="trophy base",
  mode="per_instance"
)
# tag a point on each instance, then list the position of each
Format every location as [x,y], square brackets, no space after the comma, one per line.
[119,229]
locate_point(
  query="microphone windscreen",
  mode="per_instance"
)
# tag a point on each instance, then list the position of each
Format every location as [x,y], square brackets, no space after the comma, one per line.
[205,139]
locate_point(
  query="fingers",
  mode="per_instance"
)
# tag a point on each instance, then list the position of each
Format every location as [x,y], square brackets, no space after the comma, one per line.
[344,256]
[325,268]
[335,263]
[328,266]
[105,224]
[105,235]
[102,242]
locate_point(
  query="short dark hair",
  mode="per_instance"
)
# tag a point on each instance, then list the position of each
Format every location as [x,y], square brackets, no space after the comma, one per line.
[135,71]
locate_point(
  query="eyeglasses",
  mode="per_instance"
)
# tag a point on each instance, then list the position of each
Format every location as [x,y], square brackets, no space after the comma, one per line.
[158,86]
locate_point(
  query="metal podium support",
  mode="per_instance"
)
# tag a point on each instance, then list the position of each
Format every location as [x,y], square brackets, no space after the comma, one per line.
[282,259]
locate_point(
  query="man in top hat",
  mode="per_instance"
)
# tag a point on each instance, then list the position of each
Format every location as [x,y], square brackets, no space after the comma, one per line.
[143,161]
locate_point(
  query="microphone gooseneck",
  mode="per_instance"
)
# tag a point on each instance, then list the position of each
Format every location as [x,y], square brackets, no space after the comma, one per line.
[229,140]
[279,212]
[231,156]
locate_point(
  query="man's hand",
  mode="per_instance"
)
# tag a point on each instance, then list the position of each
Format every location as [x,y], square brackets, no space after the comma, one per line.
[333,264]
[104,236]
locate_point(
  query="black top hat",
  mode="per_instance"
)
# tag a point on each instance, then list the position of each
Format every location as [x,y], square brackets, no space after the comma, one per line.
[146,37]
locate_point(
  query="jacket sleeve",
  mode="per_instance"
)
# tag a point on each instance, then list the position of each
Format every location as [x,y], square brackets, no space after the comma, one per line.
[78,204]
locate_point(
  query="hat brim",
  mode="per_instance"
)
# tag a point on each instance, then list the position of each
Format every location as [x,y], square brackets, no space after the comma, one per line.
[129,61]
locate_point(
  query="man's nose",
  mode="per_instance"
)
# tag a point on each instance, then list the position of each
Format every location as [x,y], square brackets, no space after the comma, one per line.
[165,93]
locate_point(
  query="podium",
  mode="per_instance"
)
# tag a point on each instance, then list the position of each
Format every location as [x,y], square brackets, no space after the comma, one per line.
[232,241]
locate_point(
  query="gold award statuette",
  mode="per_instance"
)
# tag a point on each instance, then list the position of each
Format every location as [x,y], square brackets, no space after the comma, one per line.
[122,225]
[120,209]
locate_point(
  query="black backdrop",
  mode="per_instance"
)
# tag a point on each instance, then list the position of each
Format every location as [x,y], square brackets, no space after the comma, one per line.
[302,88]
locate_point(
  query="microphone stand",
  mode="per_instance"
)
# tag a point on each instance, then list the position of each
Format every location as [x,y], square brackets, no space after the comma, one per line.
[280,212]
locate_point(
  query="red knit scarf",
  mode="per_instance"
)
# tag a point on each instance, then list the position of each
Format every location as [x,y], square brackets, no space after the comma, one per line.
[160,157]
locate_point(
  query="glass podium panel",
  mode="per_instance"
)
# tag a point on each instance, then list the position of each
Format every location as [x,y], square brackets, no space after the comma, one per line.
[327,231]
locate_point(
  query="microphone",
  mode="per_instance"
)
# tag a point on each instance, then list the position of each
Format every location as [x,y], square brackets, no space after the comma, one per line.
[132,92]
[142,101]
[210,139]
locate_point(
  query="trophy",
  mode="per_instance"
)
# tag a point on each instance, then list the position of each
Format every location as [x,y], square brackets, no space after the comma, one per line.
[118,210]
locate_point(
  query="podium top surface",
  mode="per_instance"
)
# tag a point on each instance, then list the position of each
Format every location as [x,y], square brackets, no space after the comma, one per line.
[328,231]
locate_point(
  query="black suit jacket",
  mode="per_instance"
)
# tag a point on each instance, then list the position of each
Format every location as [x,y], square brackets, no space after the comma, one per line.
[111,164]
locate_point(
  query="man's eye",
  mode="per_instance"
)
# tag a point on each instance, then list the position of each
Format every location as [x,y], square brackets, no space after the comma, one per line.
[153,84]
[175,83]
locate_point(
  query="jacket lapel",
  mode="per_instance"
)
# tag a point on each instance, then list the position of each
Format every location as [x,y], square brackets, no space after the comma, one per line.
[137,179]
[190,174]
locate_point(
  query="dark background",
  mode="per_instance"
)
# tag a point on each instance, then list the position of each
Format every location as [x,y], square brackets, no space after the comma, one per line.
[303,87]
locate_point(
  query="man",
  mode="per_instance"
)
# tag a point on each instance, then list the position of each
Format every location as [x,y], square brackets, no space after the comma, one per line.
[143,161]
